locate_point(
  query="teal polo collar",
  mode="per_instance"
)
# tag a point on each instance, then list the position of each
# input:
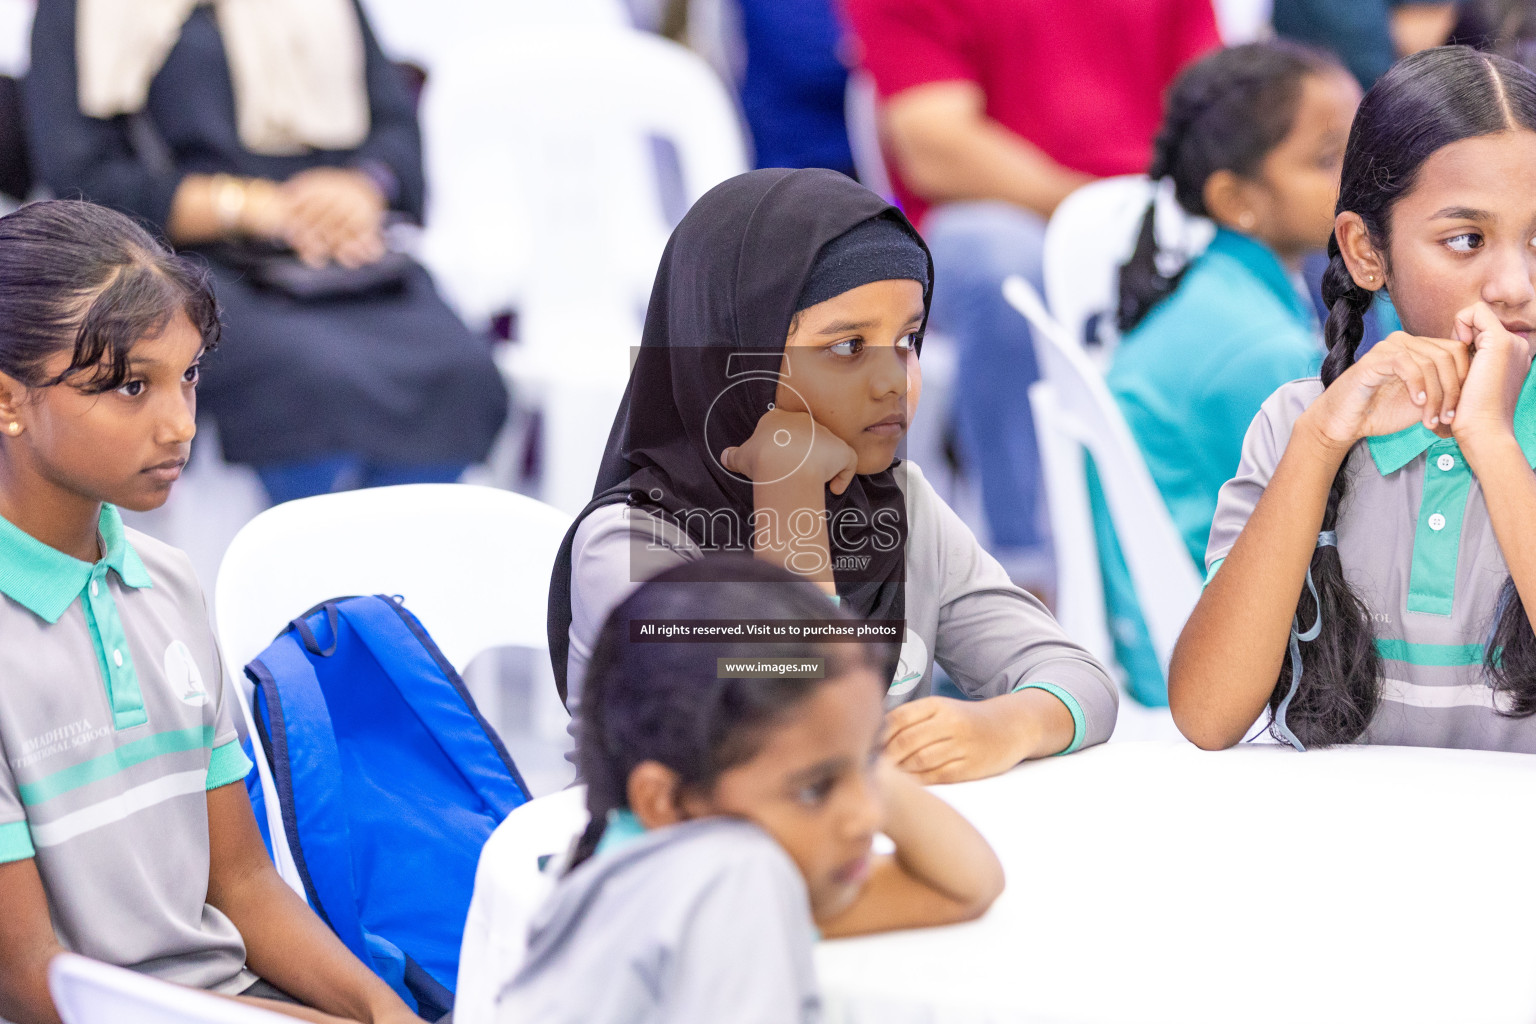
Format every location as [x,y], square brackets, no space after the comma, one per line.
[46,581]
[623,828]
[1260,261]
[1391,452]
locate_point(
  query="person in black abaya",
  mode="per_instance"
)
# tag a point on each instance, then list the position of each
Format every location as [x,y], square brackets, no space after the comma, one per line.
[776,376]
[274,128]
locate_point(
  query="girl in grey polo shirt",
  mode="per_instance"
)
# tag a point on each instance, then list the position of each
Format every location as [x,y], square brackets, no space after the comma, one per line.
[125,832]
[732,816]
[1370,564]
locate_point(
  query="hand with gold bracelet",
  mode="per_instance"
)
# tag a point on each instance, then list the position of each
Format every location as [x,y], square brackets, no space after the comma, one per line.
[325,214]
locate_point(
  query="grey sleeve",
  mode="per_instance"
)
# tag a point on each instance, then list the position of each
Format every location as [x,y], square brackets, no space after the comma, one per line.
[746,952]
[1263,445]
[994,637]
[615,549]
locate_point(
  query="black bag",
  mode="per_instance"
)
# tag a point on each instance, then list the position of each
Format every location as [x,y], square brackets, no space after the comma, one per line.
[276,268]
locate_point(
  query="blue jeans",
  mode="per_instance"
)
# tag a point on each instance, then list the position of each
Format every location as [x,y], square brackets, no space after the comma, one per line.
[286,481]
[976,245]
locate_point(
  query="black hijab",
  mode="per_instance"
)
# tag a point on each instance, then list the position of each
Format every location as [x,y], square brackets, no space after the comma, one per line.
[706,371]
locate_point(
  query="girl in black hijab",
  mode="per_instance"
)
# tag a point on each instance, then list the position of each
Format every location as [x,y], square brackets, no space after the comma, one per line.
[775,379]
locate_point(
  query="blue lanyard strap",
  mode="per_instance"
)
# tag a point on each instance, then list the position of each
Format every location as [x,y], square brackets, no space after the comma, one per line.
[1325,539]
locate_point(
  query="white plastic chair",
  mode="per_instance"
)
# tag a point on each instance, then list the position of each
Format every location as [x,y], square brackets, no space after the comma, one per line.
[90,992]
[713,31]
[473,564]
[15,36]
[1243,21]
[510,884]
[1079,412]
[431,34]
[861,111]
[1090,235]
[546,157]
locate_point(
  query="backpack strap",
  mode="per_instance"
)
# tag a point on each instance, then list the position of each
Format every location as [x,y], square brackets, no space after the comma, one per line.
[291,706]
[417,668]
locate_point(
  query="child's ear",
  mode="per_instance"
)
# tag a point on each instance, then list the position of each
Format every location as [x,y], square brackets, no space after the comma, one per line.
[13,395]
[1231,201]
[655,795]
[1366,263]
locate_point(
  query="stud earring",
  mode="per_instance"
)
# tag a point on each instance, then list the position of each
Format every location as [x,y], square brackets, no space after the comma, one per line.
[1246,220]
[13,428]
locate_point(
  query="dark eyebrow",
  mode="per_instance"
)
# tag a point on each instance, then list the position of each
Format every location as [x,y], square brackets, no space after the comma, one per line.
[831,766]
[139,363]
[1461,213]
[844,326]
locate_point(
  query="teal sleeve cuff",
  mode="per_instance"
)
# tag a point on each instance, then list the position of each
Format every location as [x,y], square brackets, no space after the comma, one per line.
[1212,573]
[15,842]
[1079,724]
[228,764]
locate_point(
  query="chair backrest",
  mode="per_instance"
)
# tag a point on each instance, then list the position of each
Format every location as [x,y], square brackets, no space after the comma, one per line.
[15,36]
[1167,584]
[510,885]
[1091,234]
[1243,21]
[89,992]
[1079,586]
[430,34]
[472,563]
[861,111]
[559,160]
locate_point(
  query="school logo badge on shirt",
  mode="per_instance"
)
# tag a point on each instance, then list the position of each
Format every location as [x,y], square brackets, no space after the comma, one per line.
[909,669]
[183,675]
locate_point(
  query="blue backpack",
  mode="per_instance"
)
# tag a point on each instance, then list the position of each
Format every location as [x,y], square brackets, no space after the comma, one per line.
[390,783]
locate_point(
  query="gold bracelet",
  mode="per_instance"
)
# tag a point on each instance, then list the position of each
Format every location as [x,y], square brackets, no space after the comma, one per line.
[229,196]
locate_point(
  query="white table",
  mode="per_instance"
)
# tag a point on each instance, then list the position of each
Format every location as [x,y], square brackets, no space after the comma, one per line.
[1159,882]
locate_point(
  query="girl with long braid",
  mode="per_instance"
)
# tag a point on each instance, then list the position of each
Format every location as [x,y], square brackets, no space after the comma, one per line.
[1253,139]
[1370,565]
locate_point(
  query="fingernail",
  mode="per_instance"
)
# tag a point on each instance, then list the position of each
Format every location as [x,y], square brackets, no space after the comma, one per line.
[1421,397]
[1434,420]
[1450,413]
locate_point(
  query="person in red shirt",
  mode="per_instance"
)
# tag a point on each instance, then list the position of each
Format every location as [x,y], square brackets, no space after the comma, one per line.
[993,111]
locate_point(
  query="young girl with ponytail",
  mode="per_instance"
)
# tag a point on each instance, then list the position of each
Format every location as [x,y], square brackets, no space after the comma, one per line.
[1369,564]
[1252,138]
[732,819]
[126,835]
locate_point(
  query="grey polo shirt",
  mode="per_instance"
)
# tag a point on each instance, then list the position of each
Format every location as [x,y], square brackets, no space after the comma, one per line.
[705,921]
[962,610]
[1419,549]
[113,725]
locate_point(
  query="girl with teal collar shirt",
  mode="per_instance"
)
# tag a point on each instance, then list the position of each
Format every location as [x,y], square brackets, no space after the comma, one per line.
[126,834]
[1370,565]
[1253,139]
[732,818]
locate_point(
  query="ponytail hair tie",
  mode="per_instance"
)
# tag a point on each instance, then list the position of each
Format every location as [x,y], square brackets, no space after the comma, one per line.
[1325,539]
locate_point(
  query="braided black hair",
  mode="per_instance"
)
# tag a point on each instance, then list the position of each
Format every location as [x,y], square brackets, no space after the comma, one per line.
[1226,112]
[663,701]
[1426,102]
